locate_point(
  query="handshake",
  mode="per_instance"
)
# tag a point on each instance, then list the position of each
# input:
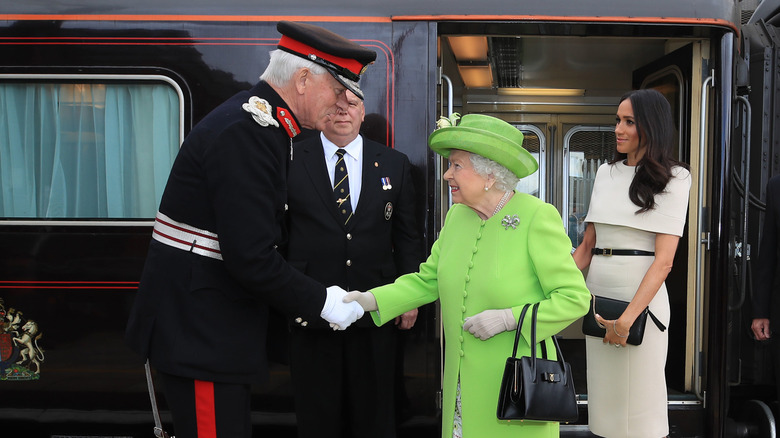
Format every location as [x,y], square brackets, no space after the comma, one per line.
[342,308]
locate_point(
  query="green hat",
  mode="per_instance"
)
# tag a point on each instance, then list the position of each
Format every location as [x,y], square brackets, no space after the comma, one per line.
[489,137]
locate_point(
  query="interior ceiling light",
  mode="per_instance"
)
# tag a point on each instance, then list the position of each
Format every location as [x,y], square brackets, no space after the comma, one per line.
[476,76]
[526,91]
[469,48]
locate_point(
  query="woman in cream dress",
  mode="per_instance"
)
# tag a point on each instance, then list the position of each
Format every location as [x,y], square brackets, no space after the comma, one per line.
[638,204]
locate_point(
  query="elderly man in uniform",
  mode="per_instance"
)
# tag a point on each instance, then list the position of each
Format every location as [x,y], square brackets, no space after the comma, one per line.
[213,271]
[352,224]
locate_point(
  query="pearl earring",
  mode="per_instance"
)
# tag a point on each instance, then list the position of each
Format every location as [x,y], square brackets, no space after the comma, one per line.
[487,188]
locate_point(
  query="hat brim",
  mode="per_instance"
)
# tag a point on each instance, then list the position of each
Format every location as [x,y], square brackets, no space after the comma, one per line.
[350,85]
[484,143]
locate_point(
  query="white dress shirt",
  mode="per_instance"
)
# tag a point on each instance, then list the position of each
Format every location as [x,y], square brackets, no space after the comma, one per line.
[354,161]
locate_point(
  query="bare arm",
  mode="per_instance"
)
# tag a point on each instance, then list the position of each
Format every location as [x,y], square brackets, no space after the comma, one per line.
[583,254]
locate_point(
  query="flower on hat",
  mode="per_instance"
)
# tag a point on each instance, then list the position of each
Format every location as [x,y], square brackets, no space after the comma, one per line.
[261,111]
[445,122]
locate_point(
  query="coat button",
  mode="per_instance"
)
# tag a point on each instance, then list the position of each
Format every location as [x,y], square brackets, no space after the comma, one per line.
[349,236]
[463,309]
[286,207]
[298,320]
[304,324]
[349,262]
[465,294]
[468,279]
[462,353]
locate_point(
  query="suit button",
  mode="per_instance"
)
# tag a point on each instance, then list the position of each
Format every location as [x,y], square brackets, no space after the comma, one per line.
[286,207]
[349,262]
[304,324]
[298,320]
[349,236]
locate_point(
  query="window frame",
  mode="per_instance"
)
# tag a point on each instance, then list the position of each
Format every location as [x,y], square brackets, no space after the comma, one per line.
[106,78]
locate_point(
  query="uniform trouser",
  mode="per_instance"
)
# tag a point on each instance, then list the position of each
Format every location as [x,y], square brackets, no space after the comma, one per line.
[202,409]
[344,382]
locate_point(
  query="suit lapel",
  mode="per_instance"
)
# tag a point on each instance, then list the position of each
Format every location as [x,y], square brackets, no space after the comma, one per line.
[314,161]
[372,166]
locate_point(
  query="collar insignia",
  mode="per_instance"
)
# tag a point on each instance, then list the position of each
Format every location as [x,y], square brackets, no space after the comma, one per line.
[288,122]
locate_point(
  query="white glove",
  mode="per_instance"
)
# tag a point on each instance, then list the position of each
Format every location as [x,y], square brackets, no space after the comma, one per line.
[338,313]
[367,300]
[488,323]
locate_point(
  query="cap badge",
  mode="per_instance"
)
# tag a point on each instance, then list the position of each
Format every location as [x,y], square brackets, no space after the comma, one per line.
[386,183]
[261,111]
[510,221]
[388,211]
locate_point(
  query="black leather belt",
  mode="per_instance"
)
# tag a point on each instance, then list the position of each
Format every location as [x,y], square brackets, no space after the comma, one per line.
[621,252]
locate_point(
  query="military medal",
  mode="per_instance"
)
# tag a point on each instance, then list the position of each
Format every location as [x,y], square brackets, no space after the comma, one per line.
[386,183]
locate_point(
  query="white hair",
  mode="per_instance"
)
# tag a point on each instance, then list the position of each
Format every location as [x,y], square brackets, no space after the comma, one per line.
[283,65]
[506,180]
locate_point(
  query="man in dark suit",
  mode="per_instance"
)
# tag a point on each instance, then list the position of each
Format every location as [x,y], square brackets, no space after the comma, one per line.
[764,293]
[213,270]
[352,224]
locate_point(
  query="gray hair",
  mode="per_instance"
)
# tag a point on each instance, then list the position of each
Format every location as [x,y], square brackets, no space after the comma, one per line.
[283,65]
[506,180]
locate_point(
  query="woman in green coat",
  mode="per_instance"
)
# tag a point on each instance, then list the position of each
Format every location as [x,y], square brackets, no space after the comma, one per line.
[497,251]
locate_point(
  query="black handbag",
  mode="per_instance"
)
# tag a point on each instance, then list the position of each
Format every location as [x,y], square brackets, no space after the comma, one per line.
[536,388]
[611,309]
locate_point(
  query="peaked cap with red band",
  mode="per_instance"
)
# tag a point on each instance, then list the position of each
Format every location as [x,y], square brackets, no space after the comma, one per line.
[342,58]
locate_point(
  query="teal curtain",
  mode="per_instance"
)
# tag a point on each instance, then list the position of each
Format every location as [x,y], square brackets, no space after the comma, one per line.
[85,151]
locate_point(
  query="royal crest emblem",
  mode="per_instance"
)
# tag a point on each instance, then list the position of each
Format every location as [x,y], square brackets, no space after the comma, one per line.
[20,354]
[261,111]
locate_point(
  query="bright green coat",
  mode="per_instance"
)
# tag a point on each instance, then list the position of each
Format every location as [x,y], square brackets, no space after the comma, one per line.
[481,264]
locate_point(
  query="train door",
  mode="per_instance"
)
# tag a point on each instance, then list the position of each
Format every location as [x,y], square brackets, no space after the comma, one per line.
[678,77]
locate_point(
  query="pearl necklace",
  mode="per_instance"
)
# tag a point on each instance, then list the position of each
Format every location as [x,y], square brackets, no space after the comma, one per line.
[502,202]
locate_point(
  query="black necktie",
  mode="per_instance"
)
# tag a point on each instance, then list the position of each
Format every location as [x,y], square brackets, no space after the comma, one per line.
[341,187]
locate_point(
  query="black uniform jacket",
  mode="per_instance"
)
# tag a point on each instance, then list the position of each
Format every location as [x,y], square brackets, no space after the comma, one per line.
[765,303]
[380,242]
[204,318]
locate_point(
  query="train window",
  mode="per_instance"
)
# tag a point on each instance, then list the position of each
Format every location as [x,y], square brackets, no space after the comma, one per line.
[588,147]
[533,142]
[86,149]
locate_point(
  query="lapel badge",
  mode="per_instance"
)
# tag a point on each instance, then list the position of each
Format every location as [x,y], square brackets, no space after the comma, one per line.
[261,111]
[386,183]
[510,221]
[388,211]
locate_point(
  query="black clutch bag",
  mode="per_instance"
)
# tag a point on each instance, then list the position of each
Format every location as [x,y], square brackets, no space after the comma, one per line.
[611,309]
[536,388]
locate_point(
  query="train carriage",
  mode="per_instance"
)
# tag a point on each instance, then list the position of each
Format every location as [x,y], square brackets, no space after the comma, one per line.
[95,100]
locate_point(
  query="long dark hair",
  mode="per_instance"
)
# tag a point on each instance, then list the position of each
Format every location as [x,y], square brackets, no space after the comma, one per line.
[655,127]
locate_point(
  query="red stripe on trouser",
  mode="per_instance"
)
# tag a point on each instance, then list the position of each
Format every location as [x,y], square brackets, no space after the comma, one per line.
[204,409]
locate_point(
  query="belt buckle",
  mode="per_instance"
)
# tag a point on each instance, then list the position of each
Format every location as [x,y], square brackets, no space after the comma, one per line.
[606,252]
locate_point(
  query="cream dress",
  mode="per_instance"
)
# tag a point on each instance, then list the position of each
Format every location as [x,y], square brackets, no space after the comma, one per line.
[627,386]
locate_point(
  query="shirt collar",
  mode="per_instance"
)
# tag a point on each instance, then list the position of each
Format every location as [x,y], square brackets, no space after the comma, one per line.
[354,148]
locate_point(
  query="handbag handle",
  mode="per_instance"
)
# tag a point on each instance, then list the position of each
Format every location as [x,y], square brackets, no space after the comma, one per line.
[533,342]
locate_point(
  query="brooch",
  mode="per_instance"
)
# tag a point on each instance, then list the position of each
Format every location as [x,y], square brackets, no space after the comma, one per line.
[510,221]
[261,111]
